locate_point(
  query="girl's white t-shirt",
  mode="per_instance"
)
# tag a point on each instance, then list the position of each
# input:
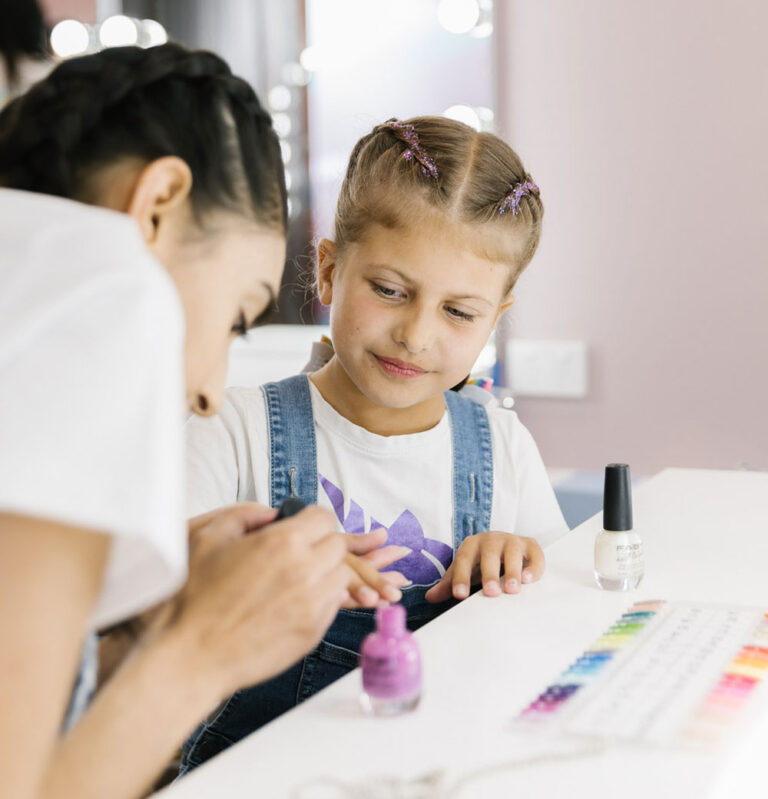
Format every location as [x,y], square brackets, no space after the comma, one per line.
[92,390]
[403,483]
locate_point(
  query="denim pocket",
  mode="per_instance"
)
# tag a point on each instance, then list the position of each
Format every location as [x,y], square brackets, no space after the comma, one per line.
[324,666]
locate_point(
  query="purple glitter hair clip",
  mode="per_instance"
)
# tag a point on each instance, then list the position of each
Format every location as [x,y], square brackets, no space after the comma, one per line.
[512,201]
[415,151]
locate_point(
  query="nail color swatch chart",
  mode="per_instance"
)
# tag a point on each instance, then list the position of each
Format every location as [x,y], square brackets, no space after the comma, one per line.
[665,673]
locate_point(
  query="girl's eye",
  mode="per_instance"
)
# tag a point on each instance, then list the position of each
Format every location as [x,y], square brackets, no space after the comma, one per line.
[457,314]
[384,291]
[240,328]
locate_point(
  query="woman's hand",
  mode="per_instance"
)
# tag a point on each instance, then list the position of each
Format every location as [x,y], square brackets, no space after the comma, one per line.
[480,559]
[254,604]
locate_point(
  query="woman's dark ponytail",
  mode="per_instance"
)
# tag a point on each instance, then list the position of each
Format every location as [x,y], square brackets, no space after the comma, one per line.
[131,102]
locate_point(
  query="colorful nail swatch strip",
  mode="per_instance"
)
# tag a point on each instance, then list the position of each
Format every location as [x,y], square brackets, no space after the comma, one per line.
[727,700]
[588,668]
[663,673]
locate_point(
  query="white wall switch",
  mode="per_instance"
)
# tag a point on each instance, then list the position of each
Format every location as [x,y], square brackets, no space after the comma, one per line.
[546,368]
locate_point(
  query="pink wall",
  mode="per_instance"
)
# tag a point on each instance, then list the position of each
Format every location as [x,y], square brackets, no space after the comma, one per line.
[56,10]
[645,124]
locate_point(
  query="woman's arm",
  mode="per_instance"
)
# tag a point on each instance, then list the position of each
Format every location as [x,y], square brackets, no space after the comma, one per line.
[50,576]
[253,605]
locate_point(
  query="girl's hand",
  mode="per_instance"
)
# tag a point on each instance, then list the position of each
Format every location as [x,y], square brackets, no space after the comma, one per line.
[480,558]
[367,587]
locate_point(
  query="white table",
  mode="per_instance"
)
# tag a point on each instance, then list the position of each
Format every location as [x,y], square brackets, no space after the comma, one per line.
[706,538]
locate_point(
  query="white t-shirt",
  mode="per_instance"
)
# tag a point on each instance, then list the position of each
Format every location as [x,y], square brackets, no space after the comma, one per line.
[403,483]
[92,390]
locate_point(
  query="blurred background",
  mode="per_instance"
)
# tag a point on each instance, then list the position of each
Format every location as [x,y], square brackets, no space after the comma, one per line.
[640,330]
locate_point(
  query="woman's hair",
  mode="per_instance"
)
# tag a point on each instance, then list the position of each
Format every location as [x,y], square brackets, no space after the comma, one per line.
[22,33]
[400,170]
[129,102]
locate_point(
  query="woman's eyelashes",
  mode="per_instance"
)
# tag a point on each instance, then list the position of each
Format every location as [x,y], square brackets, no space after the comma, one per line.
[241,326]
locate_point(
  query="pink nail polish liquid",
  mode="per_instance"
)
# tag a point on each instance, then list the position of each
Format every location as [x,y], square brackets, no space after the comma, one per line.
[391,665]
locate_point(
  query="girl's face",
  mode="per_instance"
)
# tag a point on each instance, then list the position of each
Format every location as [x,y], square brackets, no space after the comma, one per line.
[410,312]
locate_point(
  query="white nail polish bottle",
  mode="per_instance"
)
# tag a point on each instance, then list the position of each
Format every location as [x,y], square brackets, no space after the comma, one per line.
[619,559]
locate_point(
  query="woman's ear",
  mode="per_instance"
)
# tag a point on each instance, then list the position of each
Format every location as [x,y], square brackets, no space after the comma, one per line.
[326,266]
[162,187]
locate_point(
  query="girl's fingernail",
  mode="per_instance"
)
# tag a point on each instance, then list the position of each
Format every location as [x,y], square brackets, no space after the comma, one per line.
[527,577]
[391,593]
[460,591]
[511,585]
[492,588]
[405,551]
[368,595]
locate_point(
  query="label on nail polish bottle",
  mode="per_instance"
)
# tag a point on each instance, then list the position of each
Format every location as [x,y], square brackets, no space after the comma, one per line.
[619,555]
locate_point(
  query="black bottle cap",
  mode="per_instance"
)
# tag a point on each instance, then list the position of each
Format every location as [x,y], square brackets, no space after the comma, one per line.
[289,507]
[617,498]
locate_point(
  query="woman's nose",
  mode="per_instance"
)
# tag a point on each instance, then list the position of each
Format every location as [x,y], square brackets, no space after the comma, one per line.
[206,399]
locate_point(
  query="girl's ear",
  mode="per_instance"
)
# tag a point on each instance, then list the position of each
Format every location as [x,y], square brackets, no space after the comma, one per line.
[161,188]
[326,266]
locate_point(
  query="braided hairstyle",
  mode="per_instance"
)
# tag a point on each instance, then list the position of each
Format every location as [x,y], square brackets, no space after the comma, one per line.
[147,103]
[21,34]
[387,183]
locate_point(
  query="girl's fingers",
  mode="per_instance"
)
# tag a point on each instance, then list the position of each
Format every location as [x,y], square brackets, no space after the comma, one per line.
[463,565]
[536,563]
[386,556]
[514,550]
[360,594]
[441,591]
[397,579]
[490,564]
[363,544]
[369,575]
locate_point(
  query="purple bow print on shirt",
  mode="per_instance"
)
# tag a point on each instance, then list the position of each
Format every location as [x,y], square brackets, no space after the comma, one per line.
[428,559]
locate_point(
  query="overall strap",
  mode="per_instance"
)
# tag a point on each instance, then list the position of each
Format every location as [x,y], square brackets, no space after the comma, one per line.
[292,445]
[472,467]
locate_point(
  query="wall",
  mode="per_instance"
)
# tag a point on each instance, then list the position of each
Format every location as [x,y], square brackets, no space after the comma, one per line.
[645,124]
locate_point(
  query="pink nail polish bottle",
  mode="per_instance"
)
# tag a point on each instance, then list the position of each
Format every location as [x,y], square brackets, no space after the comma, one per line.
[391,665]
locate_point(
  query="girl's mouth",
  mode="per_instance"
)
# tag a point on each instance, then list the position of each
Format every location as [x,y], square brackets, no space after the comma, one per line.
[396,368]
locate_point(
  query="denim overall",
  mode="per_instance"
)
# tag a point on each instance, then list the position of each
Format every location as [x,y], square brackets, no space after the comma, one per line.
[293,472]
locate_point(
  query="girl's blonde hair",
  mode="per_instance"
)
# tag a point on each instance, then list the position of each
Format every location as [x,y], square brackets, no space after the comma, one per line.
[386,183]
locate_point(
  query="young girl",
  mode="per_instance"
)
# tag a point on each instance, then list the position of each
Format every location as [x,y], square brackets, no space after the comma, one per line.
[434,225]
[142,228]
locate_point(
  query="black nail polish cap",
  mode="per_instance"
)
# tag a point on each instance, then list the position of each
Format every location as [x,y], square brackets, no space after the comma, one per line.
[617,498]
[289,507]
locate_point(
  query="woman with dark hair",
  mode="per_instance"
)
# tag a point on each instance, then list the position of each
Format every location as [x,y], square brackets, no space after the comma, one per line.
[142,225]
[23,48]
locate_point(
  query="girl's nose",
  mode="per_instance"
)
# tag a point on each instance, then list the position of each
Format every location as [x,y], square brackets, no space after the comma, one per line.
[415,331]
